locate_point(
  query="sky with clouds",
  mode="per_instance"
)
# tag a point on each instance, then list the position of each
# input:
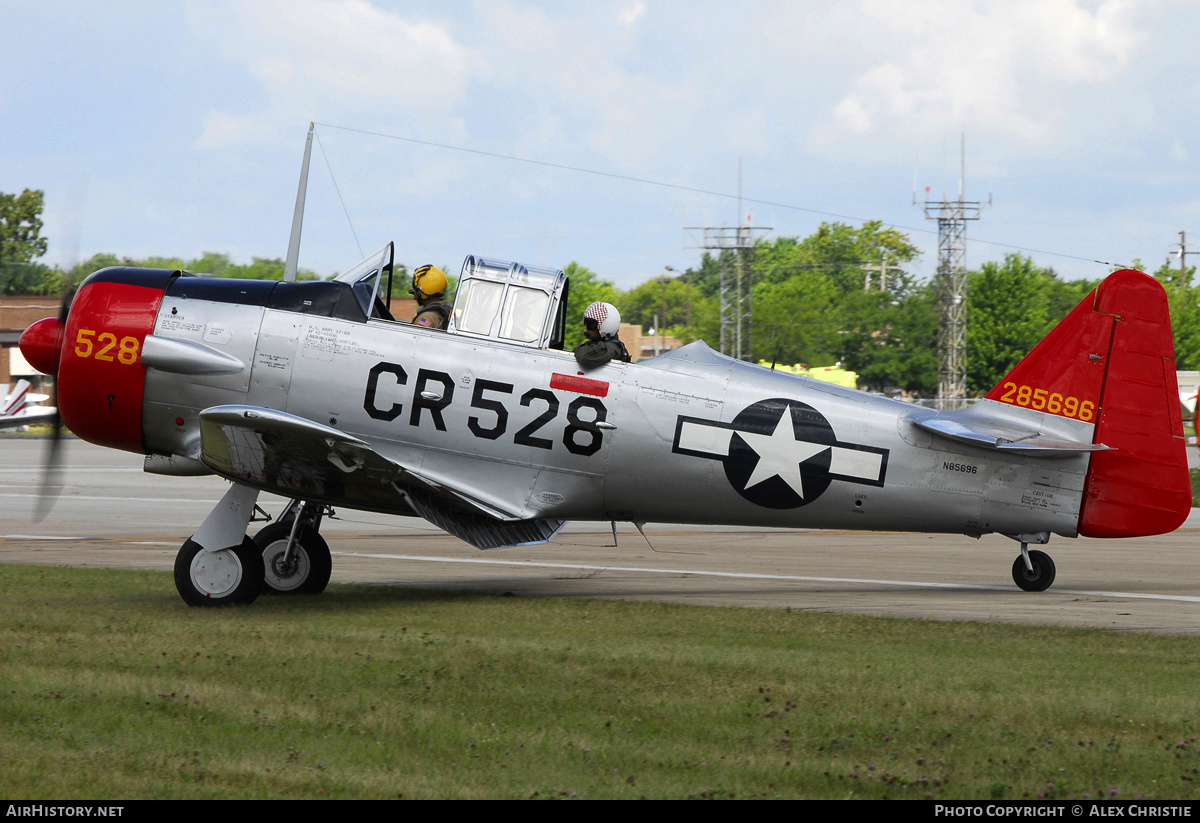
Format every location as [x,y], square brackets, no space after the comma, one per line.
[175,128]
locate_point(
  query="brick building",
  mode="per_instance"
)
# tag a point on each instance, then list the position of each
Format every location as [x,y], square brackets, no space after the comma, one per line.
[16,315]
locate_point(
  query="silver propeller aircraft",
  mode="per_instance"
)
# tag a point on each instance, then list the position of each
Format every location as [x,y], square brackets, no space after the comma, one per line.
[494,433]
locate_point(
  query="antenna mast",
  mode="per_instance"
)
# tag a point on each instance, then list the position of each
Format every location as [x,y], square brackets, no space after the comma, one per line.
[952,217]
[291,265]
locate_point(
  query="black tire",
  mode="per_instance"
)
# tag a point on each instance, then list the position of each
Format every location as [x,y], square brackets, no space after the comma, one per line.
[311,562]
[221,578]
[1040,578]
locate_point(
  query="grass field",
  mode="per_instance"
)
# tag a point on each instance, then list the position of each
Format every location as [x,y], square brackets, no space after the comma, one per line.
[111,688]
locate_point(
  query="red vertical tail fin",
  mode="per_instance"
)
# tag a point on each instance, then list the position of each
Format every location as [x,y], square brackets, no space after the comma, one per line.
[1111,362]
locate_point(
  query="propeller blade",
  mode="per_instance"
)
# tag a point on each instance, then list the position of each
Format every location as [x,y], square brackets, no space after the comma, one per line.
[52,469]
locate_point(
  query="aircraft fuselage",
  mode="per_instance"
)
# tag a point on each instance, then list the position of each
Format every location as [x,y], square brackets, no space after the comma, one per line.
[692,437]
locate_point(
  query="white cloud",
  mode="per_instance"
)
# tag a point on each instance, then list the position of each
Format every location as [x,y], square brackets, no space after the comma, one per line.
[1010,68]
[328,59]
[222,130]
[631,13]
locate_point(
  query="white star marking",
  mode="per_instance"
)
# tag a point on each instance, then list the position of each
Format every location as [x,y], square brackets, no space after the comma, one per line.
[780,454]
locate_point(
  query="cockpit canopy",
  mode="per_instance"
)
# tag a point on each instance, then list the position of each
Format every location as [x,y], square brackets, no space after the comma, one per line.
[496,300]
[510,302]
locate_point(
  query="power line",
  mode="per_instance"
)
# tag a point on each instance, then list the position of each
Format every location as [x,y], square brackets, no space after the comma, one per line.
[694,190]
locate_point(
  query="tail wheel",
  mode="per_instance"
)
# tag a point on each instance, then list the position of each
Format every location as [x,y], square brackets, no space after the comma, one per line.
[305,572]
[1037,579]
[218,578]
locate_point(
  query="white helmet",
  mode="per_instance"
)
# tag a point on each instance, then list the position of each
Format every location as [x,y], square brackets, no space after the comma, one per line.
[606,318]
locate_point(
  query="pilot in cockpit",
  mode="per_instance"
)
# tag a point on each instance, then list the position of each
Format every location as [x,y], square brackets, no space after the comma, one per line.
[601,322]
[429,289]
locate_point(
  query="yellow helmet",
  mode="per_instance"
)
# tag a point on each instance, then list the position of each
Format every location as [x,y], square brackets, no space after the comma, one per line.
[428,281]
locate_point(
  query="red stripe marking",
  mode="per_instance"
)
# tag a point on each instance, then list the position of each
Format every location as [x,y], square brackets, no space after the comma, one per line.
[17,403]
[582,385]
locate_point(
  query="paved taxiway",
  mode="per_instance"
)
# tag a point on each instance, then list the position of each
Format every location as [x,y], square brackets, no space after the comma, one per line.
[111,514]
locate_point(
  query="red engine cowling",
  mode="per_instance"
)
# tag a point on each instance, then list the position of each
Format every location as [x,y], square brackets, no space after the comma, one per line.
[96,358]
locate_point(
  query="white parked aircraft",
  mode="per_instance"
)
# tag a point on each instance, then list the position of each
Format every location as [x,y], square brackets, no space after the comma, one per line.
[17,409]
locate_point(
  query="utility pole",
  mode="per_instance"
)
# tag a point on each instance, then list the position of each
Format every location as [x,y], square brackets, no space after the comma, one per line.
[1183,253]
[736,314]
[735,283]
[952,217]
[882,269]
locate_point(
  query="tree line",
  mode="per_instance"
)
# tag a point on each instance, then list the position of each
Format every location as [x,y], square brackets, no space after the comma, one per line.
[809,304]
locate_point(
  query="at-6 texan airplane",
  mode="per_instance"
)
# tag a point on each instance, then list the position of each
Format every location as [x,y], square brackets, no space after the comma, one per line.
[491,431]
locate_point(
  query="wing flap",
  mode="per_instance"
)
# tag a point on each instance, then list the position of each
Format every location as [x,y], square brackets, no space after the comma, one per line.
[484,532]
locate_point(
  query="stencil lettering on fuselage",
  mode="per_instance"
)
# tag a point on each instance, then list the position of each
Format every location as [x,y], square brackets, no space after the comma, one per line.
[434,393]
[779,453]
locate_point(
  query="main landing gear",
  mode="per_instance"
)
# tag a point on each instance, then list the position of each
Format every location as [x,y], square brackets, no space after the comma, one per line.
[220,565]
[222,578]
[304,568]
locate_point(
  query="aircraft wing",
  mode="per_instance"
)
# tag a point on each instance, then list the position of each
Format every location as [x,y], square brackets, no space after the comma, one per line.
[27,417]
[295,457]
[1005,428]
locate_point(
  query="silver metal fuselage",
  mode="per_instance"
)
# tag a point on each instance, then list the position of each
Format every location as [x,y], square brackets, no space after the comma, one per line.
[678,438]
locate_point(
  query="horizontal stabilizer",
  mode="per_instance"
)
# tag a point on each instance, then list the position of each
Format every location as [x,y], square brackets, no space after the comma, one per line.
[991,426]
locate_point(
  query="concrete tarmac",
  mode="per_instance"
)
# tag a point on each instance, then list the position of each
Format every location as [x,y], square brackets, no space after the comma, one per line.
[111,514]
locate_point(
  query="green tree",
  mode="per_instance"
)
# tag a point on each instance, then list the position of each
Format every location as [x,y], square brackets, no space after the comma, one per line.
[794,320]
[810,305]
[209,262]
[1011,306]
[24,278]
[1183,299]
[707,279]
[682,311]
[836,249]
[261,268]
[21,238]
[586,288]
[21,242]
[890,338]
[161,263]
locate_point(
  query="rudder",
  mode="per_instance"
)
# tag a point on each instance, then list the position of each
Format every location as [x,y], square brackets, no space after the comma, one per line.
[1111,362]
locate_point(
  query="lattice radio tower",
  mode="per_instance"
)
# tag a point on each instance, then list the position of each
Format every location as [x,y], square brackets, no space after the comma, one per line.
[952,217]
[736,308]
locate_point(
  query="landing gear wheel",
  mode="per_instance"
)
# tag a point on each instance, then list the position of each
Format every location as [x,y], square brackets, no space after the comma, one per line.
[219,578]
[1040,578]
[308,570]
